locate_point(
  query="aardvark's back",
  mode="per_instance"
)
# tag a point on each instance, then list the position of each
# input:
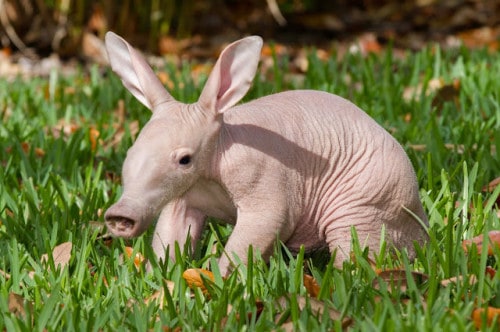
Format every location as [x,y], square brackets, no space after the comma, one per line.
[329,164]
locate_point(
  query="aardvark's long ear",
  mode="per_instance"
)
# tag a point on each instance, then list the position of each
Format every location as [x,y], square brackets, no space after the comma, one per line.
[232,75]
[135,72]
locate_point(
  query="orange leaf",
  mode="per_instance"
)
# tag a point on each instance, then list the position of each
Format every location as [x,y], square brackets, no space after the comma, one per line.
[490,312]
[39,152]
[138,258]
[25,146]
[93,136]
[267,50]
[481,37]
[194,279]
[490,272]
[494,238]
[368,44]
[311,285]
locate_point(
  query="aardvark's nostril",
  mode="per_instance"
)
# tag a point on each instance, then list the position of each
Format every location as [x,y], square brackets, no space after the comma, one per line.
[120,224]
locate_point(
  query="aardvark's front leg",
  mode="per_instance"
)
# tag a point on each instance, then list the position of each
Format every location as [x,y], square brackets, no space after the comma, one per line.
[259,229]
[176,221]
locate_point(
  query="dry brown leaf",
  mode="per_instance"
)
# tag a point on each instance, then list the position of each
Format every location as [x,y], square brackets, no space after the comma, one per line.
[311,285]
[169,329]
[490,312]
[98,21]
[120,132]
[260,307]
[5,274]
[490,187]
[481,37]
[60,255]
[25,146]
[370,261]
[170,45]
[413,92]
[494,238]
[92,48]
[471,279]
[447,93]
[17,304]
[317,307]
[195,280]
[368,43]
[397,278]
[159,295]
[63,128]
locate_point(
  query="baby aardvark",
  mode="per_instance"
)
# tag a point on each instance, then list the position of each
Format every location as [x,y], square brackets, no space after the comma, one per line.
[299,166]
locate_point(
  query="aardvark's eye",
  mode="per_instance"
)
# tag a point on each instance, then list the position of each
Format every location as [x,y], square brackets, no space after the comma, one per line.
[185,160]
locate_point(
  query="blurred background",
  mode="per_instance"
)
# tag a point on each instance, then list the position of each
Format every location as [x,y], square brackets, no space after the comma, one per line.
[74,29]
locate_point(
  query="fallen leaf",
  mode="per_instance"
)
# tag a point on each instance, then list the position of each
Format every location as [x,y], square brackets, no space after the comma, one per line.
[92,48]
[397,279]
[490,187]
[278,49]
[317,307]
[93,136]
[97,21]
[311,285]
[471,280]
[169,329]
[490,272]
[5,275]
[170,45]
[259,306]
[133,128]
[159,295]
[199,70]
[26,147]
[413,92]
[138,258]
[481,37]
[491,314]
[17,304]
[195,280]
[446,93]
[368,43]
[63,128]
[39,152]
[166,80]
[61,255]
[494,238]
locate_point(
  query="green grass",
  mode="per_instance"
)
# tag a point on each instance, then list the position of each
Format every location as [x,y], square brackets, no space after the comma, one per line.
[50,199]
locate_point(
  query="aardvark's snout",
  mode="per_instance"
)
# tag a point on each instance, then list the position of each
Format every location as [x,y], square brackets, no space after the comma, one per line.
[123,221]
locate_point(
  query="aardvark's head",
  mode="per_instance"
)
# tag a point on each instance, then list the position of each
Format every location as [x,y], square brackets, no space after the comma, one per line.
[176,147]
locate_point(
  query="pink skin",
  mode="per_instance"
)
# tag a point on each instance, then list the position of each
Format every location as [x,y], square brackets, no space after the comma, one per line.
[300,166]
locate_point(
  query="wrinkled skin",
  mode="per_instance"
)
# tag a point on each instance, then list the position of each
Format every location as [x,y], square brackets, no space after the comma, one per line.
[303,167]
